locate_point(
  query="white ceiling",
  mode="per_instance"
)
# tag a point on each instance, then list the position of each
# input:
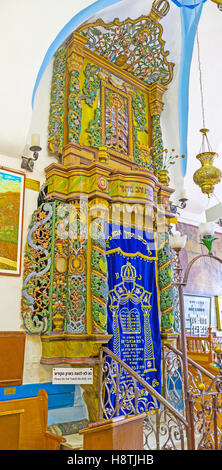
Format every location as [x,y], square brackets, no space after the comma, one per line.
[28,28]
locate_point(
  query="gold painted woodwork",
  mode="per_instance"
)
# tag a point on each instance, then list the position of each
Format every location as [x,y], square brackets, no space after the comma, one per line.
[103,155]
[170,338]
[108,67]
[115,187]
[74,154]
[105,85]
[219,2]
[69,183]
[75,53]
[155,93]
[105,181]
[72,348]
[163,177]
[34,185]
[159,10]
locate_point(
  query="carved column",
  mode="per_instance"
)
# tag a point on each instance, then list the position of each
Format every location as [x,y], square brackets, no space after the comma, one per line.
[97,265]
[97,292]
[165,269]
[165,283]
[74,112]
[57,103]
[156,106]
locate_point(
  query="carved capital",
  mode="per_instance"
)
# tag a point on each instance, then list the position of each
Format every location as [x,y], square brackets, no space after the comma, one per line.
[76,52]
[156,104]
[74,62]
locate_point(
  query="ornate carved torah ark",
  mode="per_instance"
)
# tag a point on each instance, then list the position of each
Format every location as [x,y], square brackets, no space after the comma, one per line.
[105,136]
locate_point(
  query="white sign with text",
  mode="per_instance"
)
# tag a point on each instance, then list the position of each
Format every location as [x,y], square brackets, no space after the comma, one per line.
[70,375]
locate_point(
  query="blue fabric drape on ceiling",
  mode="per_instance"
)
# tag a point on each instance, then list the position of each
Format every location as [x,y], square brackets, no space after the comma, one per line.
[190,12]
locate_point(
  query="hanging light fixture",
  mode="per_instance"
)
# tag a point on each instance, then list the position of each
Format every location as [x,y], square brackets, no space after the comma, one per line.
[208,175]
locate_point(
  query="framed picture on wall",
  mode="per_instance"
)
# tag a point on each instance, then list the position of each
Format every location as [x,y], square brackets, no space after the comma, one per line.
[197,310]
[218,300]
[12,189]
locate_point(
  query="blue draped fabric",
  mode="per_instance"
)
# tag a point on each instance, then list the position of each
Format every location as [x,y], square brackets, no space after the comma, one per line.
[133,315]
[190,14]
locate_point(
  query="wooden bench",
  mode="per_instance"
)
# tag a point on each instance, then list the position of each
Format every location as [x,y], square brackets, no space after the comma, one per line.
[23,425]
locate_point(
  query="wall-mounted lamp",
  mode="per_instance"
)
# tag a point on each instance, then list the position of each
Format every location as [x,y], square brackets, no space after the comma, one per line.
[177,241]
[182,205]
[182,201]
[207,230]
[27,161]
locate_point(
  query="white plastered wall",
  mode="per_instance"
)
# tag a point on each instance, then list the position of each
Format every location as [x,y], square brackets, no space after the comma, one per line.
[11,286]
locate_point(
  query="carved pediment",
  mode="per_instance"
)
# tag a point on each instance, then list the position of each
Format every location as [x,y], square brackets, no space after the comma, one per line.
[135,46]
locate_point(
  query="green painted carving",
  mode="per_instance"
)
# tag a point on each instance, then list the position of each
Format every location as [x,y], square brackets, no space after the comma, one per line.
[165,275]
[57,103]
[60,267]
[167,322]
[136,147]
[96,260]
[157,144]
[176,300]
[54,288]
[99,315]
[116,121]
[91,84]
[37,267]
[141,154]
[138,104]
[71,247]
[74,108]
[52,245]
[99,286]
[134,46]
[99,282]
[95,130]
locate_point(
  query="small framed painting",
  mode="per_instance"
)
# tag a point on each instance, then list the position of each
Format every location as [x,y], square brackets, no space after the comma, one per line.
[12,190]
[218,300]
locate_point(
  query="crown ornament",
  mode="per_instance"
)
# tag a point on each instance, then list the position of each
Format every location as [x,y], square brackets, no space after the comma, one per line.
[159,9]
[128,272]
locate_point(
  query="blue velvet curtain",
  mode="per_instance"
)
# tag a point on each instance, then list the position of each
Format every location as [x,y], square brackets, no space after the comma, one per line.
[133,314]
